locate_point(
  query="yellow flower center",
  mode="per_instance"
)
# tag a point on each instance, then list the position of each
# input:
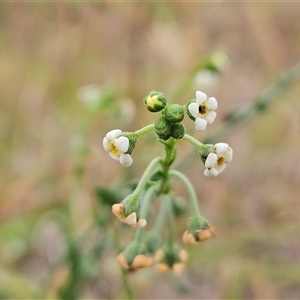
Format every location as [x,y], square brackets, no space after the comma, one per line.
[202,110]
[220,161]
[151,101]
[113,148]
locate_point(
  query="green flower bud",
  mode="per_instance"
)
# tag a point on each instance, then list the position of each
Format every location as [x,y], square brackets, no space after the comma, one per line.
[204,151]
[162,128]
[177,131]
[155,101]
[174,113]
[132,141]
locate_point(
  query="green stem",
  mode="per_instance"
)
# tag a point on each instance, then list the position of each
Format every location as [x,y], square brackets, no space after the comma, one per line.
[156,229]
[128,289]
[190,190]
[144,130]
[148,172]
[167,204]
[192,141]
[170,154]
[144,211]
[126,284]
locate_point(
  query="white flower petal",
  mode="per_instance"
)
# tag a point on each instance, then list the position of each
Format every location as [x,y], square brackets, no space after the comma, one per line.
[113,156]
[126,160]
[194,109]
[106,144]
[212,172]
[211,160]
[221,168]
[228,155]
[200,124]
[111,135]
[212,103]
[221,148]
[210,117]
[200,97]
[122,143]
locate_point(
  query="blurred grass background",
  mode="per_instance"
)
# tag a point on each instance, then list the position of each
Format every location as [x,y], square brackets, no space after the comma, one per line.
[47,204]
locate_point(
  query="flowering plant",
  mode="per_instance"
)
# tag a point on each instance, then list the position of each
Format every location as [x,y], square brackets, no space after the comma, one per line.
[157,178]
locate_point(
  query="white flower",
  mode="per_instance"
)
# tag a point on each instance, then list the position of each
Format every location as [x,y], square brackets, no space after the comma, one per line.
[216,161]
[203,110]
[117,146]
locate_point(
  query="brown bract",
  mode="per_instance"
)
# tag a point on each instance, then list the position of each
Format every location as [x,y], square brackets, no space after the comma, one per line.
[118,210]
[202,234]
[188,238]
[177,267]
[205,234]
[139,262]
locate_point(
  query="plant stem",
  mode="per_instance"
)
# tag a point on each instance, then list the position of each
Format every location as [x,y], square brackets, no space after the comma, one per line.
[190,190]
[124,274]
[144,130]
[148,172]
[144,211]
[170,154]
[192,140]
[167,204]
[126,284]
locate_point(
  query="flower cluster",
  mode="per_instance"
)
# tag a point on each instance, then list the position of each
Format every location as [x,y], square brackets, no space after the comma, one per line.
[156,180]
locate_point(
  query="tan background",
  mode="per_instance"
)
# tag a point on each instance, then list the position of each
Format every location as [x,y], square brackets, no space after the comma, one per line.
[49,50]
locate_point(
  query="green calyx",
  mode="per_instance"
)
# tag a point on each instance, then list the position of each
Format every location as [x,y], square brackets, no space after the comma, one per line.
[171,255]
[132,204]
[188,112]
[132,251]
[155,101]
[204,151]
[132,140]
[173,113]
[197,223]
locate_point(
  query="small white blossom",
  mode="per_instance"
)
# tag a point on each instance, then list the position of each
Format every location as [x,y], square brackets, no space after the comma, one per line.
[117,146]
[216,161]
[203,110]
